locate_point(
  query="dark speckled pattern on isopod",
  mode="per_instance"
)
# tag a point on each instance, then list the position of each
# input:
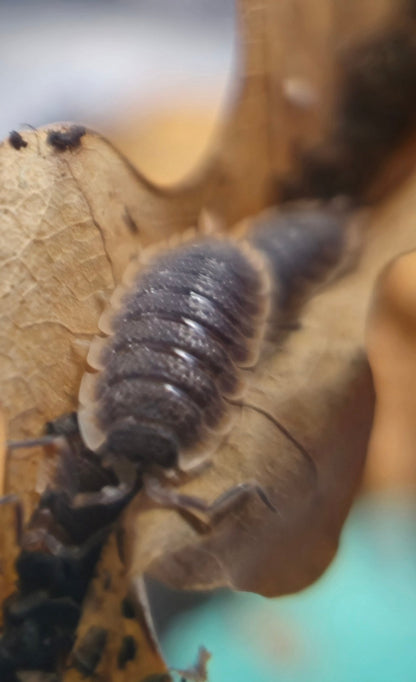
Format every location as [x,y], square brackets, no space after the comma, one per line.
[189,321]
[300,247]
[183,327]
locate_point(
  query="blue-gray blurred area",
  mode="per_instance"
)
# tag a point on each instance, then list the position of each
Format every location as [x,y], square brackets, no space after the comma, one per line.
[356,624]
[88,61]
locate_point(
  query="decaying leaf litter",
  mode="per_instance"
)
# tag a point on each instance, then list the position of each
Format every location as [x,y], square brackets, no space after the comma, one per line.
[317,382]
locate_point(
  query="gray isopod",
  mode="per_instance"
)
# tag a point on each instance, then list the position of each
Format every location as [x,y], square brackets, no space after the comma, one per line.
[184,324]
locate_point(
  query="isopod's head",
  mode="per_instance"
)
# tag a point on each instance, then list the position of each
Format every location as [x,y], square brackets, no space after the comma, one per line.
[142,444]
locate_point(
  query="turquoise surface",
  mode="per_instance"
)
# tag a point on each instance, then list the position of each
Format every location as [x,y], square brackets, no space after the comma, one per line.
[356,624]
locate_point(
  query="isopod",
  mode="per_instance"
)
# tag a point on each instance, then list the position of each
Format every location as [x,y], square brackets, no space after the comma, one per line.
[185,325]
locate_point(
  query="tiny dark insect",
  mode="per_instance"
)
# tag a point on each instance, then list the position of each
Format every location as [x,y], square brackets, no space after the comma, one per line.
[68,139]
[16,140]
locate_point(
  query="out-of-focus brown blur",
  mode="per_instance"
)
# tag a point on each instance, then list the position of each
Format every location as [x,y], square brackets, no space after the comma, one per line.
[391,346]
[171,142]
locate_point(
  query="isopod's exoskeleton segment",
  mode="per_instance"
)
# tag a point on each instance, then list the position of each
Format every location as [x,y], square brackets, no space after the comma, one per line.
[179,335]
[303,246]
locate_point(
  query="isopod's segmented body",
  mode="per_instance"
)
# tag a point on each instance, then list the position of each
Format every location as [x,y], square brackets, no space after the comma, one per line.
[190,319]
[303,249]
[182,328]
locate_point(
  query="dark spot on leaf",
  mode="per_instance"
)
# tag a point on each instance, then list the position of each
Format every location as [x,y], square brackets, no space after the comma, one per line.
[90,650]
[127,608]
[131,224]
[127,651]
[16,140]
[107,581]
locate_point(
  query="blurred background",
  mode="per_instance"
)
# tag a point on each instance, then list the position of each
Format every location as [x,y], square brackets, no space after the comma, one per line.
[153,75]
[156,77]
[356,624]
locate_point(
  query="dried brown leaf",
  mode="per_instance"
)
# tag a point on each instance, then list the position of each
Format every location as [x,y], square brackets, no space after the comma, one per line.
[3,449]
[103,608]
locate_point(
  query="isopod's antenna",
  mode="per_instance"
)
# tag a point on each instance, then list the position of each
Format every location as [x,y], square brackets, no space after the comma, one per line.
[42,441]
[283,430]
[35,130]
[202,514]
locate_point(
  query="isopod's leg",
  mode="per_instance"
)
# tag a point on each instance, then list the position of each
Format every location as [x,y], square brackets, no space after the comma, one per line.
[209,513]
[57,443]
[76,501]
[86,512]
[33,442]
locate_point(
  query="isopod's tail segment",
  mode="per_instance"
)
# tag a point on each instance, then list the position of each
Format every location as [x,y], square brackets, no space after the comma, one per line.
[60,547]
[305,246]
